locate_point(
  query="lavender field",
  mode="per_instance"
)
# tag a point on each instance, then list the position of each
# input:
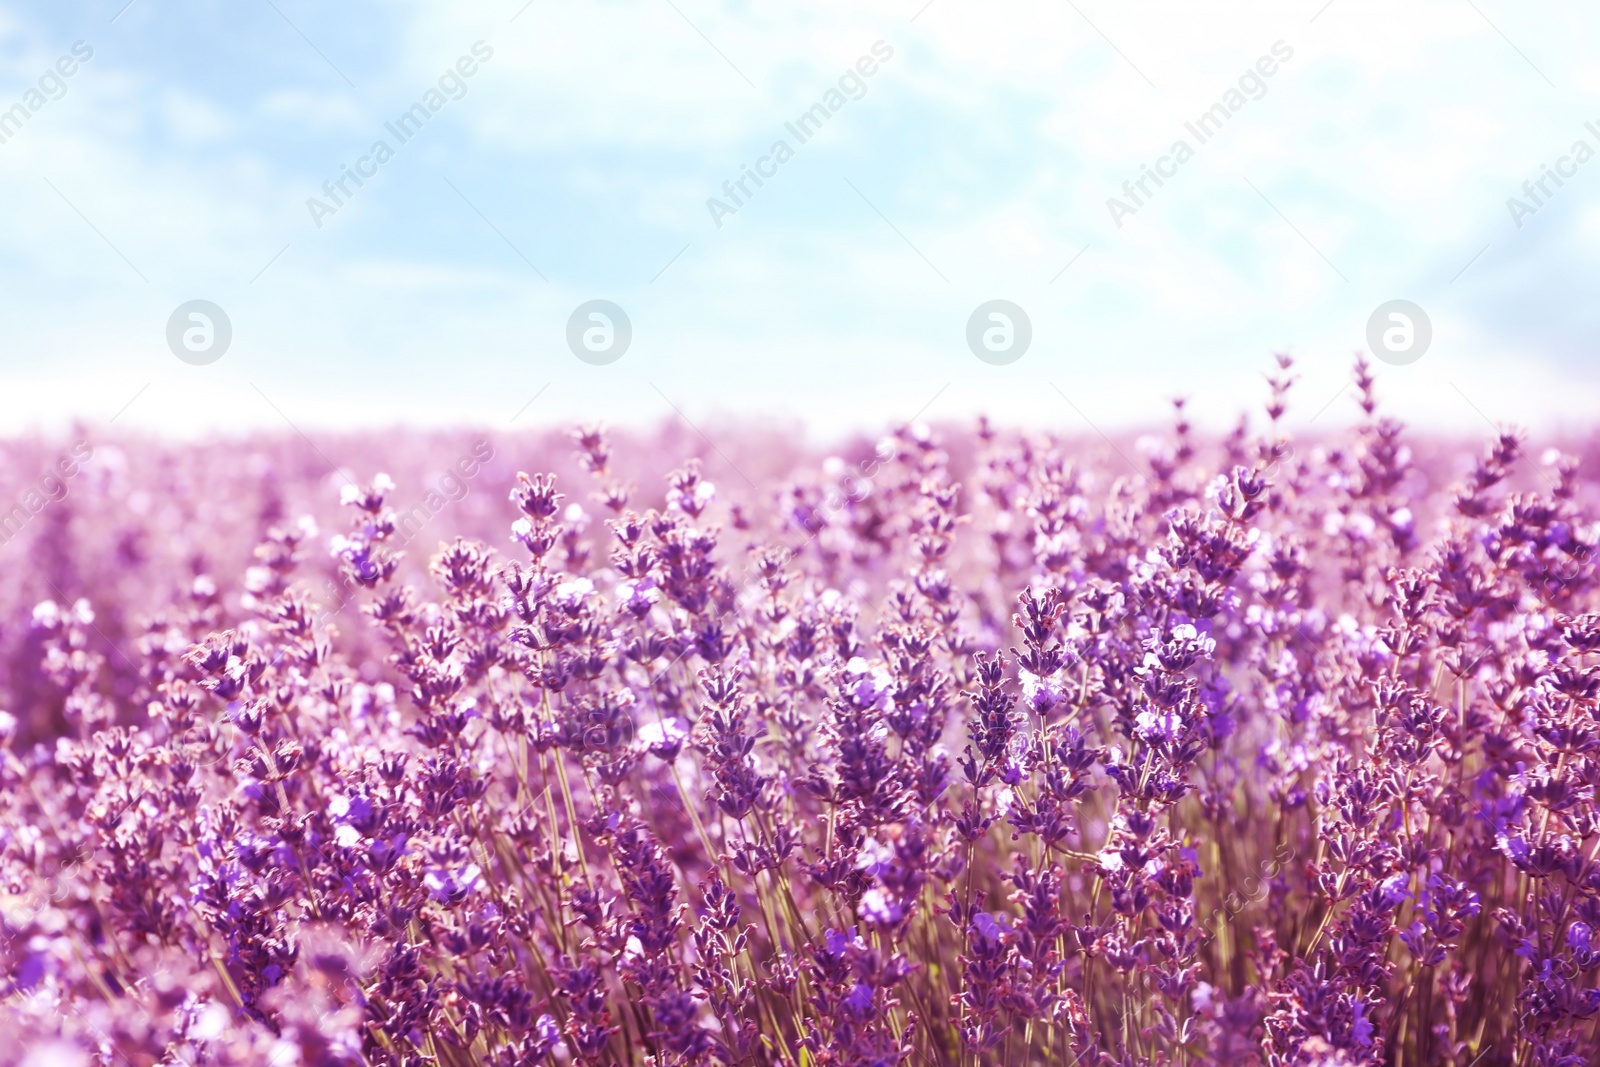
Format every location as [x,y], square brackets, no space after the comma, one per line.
[965,745]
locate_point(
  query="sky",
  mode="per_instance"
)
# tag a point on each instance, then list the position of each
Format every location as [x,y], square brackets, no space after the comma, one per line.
[560,153]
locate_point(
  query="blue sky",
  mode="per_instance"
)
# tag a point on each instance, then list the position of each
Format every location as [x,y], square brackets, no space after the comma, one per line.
[976,163]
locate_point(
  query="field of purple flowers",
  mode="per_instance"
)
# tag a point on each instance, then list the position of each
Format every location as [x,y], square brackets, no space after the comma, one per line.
[964,746]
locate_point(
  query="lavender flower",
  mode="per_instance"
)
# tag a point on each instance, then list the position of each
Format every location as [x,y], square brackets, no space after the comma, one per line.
[953,748]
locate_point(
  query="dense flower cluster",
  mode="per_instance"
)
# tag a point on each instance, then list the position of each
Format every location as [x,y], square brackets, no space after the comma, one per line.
[960,748]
